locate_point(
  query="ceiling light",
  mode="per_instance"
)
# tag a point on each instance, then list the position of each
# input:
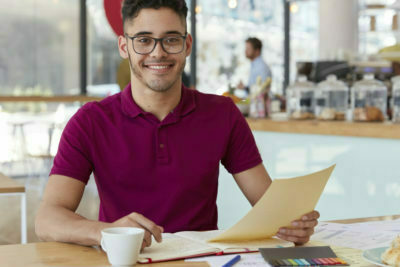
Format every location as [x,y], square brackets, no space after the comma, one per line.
[294,8]
[232,3]
[198,9]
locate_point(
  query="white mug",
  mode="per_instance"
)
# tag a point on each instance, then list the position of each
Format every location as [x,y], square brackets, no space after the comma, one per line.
[122,244]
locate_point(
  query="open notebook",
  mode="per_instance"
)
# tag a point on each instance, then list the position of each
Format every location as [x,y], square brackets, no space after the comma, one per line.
[182,245]
[284,201]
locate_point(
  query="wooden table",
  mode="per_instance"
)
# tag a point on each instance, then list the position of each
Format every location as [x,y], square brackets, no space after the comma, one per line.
[369,219]
[9,187]
[61,254]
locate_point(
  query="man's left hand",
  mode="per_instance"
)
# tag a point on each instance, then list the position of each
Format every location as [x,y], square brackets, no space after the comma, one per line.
[300,230]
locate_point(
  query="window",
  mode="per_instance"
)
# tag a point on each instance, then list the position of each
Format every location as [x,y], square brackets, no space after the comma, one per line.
[39,43]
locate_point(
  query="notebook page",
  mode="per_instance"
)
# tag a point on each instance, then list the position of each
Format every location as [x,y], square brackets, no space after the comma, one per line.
[199,236]
[252,245]
[174,246]
[236,246]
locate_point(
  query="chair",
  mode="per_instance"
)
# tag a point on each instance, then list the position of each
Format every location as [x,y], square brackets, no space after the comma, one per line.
[8,187]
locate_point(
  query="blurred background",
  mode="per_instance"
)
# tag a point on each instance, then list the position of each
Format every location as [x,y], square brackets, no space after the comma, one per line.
[57,55]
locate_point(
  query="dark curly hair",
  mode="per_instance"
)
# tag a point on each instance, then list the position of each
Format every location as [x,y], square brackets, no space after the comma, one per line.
[131,8]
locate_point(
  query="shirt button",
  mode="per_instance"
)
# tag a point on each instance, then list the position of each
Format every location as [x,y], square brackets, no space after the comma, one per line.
[161,145]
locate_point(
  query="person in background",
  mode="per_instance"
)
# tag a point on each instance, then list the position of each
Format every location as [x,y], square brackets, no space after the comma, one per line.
[155,148]
[258,66]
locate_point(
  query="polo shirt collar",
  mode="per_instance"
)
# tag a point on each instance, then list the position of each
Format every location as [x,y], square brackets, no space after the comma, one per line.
[131,109]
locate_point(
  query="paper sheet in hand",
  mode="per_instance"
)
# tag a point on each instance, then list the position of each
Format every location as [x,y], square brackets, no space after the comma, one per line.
[284,201]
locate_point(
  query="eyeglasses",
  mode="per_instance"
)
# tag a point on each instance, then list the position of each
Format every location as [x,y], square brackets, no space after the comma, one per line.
[144,45]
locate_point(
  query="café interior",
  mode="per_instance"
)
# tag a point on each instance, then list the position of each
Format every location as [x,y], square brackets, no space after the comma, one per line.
[334,95]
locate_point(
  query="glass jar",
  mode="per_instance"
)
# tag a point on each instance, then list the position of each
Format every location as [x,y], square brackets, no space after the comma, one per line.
[369,99]
[396,99]
[331,99]
[299,97]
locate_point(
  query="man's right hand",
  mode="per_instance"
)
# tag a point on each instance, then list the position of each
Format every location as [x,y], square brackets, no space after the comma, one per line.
[138,220]
[57,220]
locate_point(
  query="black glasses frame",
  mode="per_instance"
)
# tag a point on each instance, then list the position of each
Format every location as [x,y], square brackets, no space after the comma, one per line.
[155,43]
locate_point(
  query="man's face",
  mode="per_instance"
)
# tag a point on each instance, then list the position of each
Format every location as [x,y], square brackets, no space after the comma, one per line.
[250,51]
[158,71]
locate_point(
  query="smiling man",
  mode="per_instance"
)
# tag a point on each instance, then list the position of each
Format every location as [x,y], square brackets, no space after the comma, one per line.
[156,147]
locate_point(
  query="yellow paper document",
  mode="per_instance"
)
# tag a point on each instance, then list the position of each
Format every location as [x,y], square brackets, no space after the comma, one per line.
[285,200]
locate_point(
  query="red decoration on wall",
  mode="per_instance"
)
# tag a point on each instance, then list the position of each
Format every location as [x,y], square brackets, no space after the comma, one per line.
[113,14]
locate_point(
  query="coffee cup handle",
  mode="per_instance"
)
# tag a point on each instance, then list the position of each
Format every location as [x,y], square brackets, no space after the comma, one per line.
[103,245]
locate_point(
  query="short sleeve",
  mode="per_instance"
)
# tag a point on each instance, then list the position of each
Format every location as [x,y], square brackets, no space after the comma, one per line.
[242,152]
[73,156]
[264,72]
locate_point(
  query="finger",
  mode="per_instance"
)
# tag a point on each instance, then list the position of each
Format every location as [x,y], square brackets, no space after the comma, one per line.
[147,238]
[304,224]
[304,232]
[149,225]
[144,244]
[295,239]
[314,215]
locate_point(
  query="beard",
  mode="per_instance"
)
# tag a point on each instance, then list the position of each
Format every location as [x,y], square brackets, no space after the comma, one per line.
[157,85]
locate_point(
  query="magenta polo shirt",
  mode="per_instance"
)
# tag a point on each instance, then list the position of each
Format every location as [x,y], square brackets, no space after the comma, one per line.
[168,170]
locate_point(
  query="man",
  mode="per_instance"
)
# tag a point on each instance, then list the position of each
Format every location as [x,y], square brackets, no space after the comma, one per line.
[154,148]
[258,67]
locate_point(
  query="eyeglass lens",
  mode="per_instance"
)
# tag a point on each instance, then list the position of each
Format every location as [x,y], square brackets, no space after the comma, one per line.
[171,44]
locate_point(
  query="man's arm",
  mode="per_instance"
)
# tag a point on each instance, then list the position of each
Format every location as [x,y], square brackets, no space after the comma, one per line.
[254,182]
[56,219]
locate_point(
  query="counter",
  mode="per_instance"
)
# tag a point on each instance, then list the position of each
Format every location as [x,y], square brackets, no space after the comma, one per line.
[339,128]
[365,180]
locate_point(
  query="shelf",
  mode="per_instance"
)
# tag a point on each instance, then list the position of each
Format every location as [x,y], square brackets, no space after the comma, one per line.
[371,64]
[64,98]
[375,6]
[377,32]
